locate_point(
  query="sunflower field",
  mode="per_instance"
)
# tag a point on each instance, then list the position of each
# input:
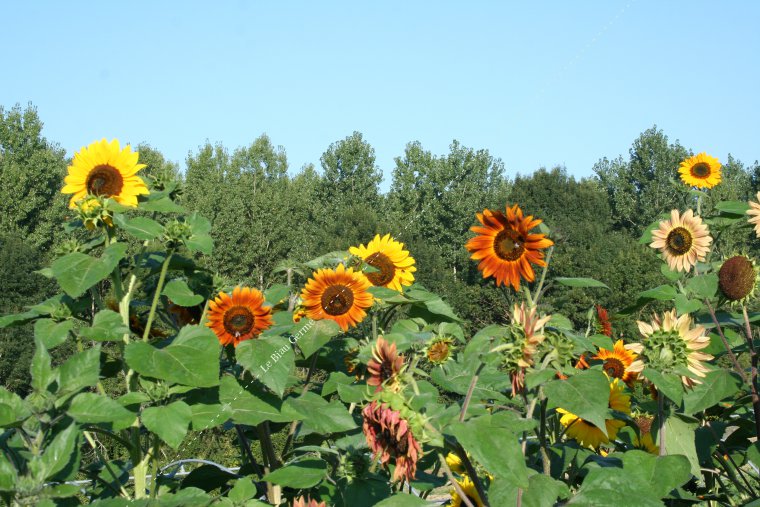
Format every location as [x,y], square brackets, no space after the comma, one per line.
[346,381]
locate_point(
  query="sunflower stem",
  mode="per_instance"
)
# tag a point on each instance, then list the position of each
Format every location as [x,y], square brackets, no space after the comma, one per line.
[473,475]
[542,435]
[154,469]
[543,275]
[528,296]
[157,295]
[374,326]
[246,445]
[294,424]
[730,352]
[661,417]
[753,362]
[454,483]
[470,390]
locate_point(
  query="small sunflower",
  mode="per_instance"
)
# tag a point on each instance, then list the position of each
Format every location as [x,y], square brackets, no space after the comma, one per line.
[683,240]
[670,345]
[505,247]
[385,366]
[701,171]
[617,362]
[469,489]
[239,317]
[754,212]
[737,279]
[394,264]
[104,169]
[340,295]
[588,434]
[439,350]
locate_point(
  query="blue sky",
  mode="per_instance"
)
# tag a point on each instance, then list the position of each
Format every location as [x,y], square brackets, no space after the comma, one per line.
[560,83]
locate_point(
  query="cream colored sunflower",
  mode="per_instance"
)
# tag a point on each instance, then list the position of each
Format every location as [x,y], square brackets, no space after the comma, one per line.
[683,240]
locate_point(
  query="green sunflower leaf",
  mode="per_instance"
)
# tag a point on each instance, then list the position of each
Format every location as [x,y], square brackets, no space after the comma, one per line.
[302,474]
[585,395]
[272,359]
[180,294]
[580,282]
[142,228]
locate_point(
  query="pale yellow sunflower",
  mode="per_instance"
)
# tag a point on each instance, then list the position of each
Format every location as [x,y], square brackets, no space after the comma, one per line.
[394,264]
[589,435]
[754,212]
[683,240]
[701,171]
[104,169]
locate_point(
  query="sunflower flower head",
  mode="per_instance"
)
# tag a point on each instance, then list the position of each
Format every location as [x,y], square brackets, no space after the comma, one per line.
[672,345]
[470,491]
[519,346]
[454,463]
[589,435]
[393,434]
[439,350]
[239,317]
[683,240]
[394,266]
[104,169]
[94,213]
[754,213]
[617,362]
[644,439]
[603,324]
[505,247]
[701,171]
[385,366]
[560,346]
[738,278]
[340,295]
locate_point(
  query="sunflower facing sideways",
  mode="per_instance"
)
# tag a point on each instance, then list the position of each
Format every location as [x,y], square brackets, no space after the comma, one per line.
[104,169]
[505,247]
[394,264]
[701,171]
[340,295]
[470,491]
[238,317]
[754,213]
[683,240]
[586,433]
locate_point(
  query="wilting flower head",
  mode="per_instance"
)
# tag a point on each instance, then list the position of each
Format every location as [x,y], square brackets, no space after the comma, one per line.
[617,362]
[701,171]
[394,264]
[683,240]
[604,326]
[644,440]
[239,317]
[298,313]
[390,436]
[526,334]
[385,365]
[588,434]
[439,350]
[505,248]
[105,170]
[307,502]
[469,489]
[670,344]
[340,295]
[737,278]
[754,213]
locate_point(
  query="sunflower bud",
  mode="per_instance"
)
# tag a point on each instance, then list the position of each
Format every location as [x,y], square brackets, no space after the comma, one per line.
[93,212]
[66,247]
[177,232]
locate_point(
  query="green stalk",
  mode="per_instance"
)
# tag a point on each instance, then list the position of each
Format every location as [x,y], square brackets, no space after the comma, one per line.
[543,276]
[157,296]
[661,416]
[154,459]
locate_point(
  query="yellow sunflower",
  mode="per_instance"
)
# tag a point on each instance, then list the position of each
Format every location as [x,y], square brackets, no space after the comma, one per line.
[340,295]
[468,487]
[105,170]
[670,344]
[683,240]
[701,171]
[617,362]
[239,317]
[394,264]
[588,434]
[505,247]
[455,463]
[754,212]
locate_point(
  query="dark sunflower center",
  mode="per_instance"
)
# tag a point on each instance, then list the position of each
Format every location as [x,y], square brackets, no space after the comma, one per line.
[438,352]
[105,180]
[238,320]
[386,270]
[644,424]
[736,278]
[700,170]
[509,245]
[614,367]
[337,299]
[679,241]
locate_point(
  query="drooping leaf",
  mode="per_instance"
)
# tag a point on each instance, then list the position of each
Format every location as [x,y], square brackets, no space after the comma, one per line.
[320,415]
[705,286]
[680,439]
[717,386]
[52,333]
[310,335]
[76,272]
[301,474]
[98,409]
[271,359]
[586,395]
[580,282]
[170,422]
[661,474]
[181,294]
[60,451]
[142,228]
[107,325]
[245,408]
[670,385]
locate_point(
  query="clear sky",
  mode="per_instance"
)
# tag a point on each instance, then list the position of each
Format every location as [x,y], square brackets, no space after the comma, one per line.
[536,85]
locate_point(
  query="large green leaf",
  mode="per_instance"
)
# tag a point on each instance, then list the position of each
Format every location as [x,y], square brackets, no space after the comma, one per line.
[302,474]
[669,384]
[169,422]
[41,368]
[245,408]
[680,439]
[580,282]
[661,293]
[142,228]
[12,408]
[494,446]
[52,333]
[79,371]
[320,415]
[660,474]
[704,286]
[191,359]
[98,409]
[60,451]
[311,335]
[106,326]
[271,359]
[586,395]
[717,386]
[8,475]
[733,207]
[77,272]
[610,487]
[180,293]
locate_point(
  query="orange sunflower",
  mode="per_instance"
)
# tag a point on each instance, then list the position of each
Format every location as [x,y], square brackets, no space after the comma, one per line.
[505,247]
[239,317]
[340,295]
[617,362]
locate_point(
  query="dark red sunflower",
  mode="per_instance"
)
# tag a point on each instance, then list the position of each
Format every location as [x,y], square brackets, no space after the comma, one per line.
[385,364]
[389,436]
